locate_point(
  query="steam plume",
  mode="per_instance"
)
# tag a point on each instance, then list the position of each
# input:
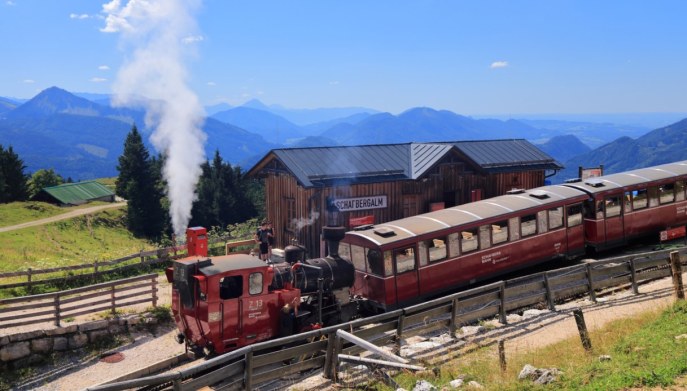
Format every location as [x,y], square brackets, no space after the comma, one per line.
[155,34]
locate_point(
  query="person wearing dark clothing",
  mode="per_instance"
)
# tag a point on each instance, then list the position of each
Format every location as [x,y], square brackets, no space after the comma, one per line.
[264,236]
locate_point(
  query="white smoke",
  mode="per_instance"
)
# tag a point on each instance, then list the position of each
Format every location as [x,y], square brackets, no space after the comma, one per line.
[155,35]
[298,224]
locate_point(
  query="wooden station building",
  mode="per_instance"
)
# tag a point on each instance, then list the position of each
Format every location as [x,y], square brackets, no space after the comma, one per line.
[371,184]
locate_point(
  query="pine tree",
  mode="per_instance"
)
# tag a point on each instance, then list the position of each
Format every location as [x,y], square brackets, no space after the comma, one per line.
[13,181]
[138,183]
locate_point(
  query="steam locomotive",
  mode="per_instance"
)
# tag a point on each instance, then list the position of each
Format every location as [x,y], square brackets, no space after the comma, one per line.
[223,303]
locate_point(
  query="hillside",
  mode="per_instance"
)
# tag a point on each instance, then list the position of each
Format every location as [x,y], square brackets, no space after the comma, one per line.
[663,145]
[563,148]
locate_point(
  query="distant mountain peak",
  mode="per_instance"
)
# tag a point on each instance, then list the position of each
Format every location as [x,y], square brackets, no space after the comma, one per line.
[255,104]
[55,100]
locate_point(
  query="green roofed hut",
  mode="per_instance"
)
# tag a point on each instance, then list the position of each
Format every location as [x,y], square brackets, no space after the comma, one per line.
[75,193]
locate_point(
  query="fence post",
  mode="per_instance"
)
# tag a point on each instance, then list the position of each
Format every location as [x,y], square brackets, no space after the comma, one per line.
[502,355]
[502,307]
[329,357]
[633,272]
[57,310]
[154,289]
[248,370]
[676,269]
[399,331]
[95,270]
[549,293]
[112,300]
[590,279]
[28,282]
[143,259]
[453,326]
[582,329]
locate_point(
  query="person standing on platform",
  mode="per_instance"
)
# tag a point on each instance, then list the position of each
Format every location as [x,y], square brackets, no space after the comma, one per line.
[263,236]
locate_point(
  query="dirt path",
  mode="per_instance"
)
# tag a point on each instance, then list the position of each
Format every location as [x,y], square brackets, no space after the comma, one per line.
[64,216]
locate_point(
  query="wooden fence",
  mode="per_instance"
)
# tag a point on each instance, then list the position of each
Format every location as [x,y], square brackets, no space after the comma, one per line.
[58,306]
[272,360]
[96,269]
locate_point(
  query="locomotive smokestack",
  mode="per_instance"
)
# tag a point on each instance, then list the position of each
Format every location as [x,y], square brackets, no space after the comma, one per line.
[333,236]
[197,241]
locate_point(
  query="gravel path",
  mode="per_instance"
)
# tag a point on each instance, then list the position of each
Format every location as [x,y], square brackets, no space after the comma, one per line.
[64,216]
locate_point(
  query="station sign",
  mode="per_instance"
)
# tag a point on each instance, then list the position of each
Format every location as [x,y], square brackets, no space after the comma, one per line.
[360,203]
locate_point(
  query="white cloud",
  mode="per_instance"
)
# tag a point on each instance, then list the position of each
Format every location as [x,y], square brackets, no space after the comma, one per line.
[192,39]
[29,81]
[104,68]
[211,83]
[79,16]
[98,79]
[10,3]
[498,64]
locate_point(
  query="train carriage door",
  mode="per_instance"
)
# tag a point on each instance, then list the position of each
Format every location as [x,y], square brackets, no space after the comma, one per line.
[230,290]
[575,229]
[405,265]
[614,224]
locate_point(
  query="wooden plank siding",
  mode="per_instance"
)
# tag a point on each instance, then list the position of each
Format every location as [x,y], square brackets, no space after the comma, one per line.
[298,214]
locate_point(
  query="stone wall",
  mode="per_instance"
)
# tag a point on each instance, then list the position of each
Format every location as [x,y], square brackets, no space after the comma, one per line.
[33,347]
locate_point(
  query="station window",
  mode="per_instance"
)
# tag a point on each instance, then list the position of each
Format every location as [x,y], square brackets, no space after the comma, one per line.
[405,259]
[666,193]
[639,199]
[528,225]
[556,217]
[230,287]
[255,283]
[574,215]
[468,240]
[680,191]
[613,206]
[499,232]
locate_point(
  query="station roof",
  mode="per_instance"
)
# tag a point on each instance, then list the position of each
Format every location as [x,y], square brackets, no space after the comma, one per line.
[78,193]
[390,162]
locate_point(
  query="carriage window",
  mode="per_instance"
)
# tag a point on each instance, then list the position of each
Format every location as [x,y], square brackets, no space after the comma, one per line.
[468,241]
[484,237]
[666,193]
[358,257]
[556,217]
[639,199]
[230,287]
[405,260]
[388,264]
[574,215]
[627,200]
[437,249]
[499,232]
[599,209]
[653,196]
[375,262]
[528,225]
[345,251]
[680,191]
[255,283]
[613,206]
[454,244]
[514,228]
[542,222]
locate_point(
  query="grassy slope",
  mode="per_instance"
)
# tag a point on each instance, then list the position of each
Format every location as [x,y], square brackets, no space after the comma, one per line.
[644,353]
[102,236]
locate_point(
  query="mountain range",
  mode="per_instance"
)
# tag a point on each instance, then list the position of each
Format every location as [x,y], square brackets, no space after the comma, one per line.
[81,135]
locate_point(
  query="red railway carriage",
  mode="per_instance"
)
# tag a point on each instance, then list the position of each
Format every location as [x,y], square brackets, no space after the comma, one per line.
[405,261]
[632,204]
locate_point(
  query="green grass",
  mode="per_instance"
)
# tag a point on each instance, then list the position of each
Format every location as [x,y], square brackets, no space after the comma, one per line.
[102,236]
[644,354]
[23,212]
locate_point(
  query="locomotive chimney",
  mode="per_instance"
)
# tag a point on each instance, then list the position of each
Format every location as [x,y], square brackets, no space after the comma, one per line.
[197,241]
[333,232]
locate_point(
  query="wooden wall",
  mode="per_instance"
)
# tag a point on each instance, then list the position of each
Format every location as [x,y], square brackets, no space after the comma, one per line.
[298,214]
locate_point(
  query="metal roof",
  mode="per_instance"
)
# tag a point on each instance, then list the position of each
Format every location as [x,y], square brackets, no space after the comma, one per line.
[495,155]
[388,162]
[78,193]
[468,213]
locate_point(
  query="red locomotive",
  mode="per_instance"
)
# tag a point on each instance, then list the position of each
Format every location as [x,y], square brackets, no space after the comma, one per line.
[230,301]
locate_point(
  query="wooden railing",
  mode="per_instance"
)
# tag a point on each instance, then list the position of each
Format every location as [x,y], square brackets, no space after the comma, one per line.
[96,269]
[58,306]
[251,365]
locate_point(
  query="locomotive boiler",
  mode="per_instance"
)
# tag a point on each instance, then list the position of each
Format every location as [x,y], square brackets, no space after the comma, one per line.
[226,302]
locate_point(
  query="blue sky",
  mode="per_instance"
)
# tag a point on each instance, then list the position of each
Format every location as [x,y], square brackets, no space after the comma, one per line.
[472,57]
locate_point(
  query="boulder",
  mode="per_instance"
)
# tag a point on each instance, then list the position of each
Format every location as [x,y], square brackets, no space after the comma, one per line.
[77,341]
[27,336]
[424,385]
[98,325]
[42,345]
[15,351]
[60,344]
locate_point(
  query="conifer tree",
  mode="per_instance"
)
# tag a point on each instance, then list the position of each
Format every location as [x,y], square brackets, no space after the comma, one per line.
[13,180]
